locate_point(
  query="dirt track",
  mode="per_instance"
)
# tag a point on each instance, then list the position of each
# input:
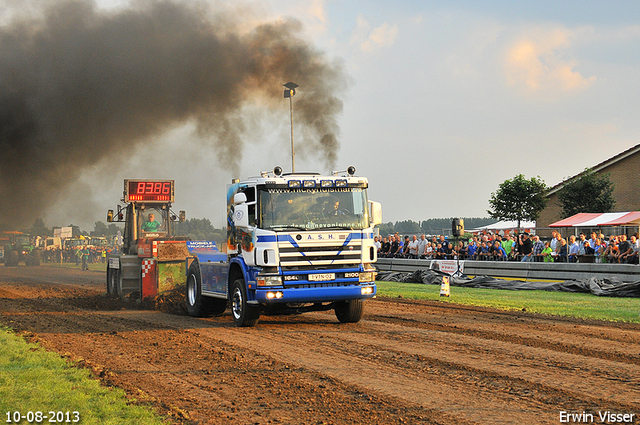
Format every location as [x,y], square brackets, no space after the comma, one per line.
[406,362]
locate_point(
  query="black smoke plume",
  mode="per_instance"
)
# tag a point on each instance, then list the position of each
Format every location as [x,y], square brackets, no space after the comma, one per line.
[78,83]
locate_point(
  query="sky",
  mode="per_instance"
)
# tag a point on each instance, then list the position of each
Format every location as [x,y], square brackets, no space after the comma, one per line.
[443,102]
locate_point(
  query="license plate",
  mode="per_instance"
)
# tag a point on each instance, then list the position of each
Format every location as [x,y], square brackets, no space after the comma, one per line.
[322,276]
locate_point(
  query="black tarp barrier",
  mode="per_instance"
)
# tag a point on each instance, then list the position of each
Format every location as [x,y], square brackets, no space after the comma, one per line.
[609,287]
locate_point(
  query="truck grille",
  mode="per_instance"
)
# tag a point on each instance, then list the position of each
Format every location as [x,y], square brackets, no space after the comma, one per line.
[318,255]
[321,285]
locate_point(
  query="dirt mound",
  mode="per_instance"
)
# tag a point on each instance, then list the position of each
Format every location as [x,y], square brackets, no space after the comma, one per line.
[172,251]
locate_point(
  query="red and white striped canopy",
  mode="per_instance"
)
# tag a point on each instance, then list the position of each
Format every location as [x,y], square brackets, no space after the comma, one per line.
[600,219]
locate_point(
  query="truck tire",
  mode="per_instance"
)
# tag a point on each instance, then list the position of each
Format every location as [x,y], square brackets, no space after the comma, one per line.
[244,315]
[215,306]
[350,312]
[197,304]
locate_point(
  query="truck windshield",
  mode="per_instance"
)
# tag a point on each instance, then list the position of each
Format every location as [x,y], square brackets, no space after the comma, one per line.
[72,243]
[309,209]
[23,240]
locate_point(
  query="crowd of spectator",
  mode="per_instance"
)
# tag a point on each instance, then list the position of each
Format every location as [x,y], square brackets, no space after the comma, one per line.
[70,255]
[519,247]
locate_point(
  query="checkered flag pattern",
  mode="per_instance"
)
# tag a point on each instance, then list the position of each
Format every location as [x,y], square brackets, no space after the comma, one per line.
[146,266]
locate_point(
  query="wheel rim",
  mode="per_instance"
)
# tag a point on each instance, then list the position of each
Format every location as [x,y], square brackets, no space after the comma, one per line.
[237,303]
[191,290]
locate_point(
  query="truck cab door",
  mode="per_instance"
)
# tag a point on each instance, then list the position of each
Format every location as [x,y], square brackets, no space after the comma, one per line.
[244,227]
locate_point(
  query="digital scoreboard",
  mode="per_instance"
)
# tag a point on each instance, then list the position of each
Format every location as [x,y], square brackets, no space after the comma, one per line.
[148,191]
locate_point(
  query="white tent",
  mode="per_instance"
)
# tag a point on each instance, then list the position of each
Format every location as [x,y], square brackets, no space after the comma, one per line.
[506,225]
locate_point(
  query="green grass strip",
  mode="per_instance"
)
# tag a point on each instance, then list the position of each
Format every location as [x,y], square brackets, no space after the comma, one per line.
[586,306]
[34,380]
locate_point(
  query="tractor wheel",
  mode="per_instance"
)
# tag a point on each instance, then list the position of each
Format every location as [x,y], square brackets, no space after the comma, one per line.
[244,315]
[119,282]
[112,282]
[350,312]
[33,259]
[12,258]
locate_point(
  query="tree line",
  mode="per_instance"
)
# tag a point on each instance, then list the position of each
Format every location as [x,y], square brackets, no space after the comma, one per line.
[432,226]
[517,199]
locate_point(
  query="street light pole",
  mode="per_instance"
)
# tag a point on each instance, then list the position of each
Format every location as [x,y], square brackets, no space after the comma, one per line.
[290,91]
[293,153]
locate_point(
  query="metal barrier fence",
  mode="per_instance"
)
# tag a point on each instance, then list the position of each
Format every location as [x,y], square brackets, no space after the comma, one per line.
[517,270]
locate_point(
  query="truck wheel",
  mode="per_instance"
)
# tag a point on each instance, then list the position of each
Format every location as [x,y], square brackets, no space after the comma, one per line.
[215,306]
[194,291]
[350,312]
[244,315]
[197,304]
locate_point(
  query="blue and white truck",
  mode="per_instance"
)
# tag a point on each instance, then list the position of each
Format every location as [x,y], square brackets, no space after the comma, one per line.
[296,242]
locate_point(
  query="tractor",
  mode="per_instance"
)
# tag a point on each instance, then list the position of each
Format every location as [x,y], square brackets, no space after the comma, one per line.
[20,248]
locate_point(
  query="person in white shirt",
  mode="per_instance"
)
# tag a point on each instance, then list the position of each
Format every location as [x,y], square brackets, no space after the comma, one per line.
[422,246]
[413,247]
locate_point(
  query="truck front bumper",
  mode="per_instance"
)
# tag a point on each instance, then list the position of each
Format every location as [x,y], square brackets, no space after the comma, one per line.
[315,295]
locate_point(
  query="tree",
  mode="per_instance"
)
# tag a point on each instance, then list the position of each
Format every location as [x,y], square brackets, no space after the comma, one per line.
[99,229]
[76,232]
[588,192]
[518,199]
[200,229]
[386,229]
[407,227]
[39,229]
[112,229]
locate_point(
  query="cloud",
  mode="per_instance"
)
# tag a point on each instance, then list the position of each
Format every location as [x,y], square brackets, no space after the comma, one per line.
[538,63]
[369,39]
[317,11]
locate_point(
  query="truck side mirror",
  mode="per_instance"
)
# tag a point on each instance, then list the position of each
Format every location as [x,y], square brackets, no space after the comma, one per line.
[241,215]
[239,198]
[182,216]
[376,213]
[110,216]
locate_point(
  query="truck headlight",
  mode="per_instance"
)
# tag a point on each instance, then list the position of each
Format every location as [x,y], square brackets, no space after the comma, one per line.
[269,280]
[367,276]
[366,290]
